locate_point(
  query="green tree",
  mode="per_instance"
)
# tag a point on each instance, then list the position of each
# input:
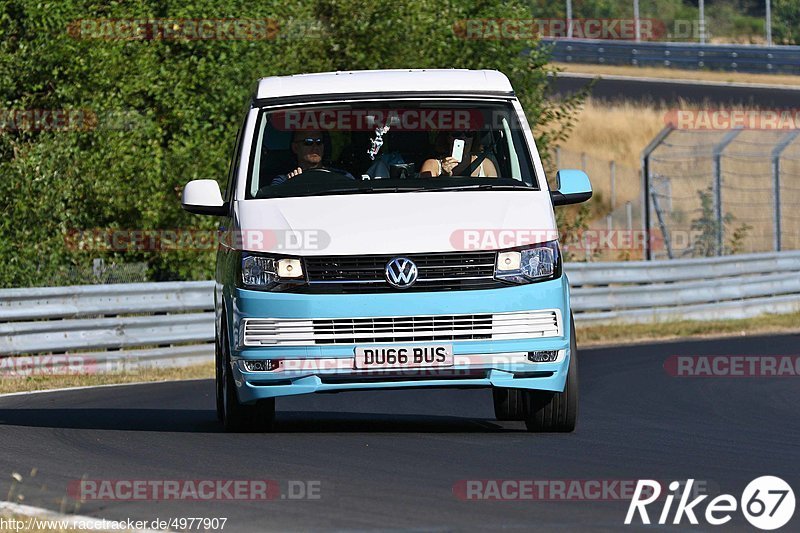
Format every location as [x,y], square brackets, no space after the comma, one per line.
[786,21]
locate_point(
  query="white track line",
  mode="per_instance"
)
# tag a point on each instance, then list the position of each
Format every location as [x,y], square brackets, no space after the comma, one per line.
[77,522]
[678,81]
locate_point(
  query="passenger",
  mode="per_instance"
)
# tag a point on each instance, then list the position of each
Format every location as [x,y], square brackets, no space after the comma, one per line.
[443,163]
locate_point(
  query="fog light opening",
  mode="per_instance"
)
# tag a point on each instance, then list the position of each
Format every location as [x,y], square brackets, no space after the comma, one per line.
[543,356]
[262,365]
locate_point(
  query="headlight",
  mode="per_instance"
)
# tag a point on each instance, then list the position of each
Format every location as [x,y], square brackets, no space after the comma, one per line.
[538,263]
[266,273]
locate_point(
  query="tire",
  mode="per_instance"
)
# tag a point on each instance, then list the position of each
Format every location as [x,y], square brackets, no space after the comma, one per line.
[556,411]
[509,404]
[219,388]
[238,417]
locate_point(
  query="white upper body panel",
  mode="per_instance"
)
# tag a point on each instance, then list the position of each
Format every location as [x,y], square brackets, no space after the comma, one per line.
[381,81]
[399,223]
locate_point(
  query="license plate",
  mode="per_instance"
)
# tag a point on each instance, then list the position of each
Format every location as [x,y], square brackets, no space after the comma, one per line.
[370,357]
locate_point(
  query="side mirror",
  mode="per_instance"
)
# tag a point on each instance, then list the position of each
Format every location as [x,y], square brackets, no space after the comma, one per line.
[202,197]
[573,187]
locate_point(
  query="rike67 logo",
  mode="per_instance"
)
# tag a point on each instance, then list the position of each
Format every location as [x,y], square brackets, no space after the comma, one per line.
[767,503]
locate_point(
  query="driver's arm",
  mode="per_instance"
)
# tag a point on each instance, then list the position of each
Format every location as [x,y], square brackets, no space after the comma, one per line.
[279,179]
[283,178]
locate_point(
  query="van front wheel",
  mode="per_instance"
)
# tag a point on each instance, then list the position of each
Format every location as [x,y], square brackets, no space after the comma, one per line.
[236,416]
[509,404]
[556,411]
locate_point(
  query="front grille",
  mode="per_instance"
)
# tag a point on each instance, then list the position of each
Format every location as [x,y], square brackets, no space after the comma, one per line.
[366,273]
[431,328]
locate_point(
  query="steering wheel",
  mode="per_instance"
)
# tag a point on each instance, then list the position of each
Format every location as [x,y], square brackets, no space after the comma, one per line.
[319,175]
[313,177]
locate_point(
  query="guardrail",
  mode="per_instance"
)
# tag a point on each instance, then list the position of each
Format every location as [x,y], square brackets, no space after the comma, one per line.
[734,286]
[172,324]
[109,327]
[729,57]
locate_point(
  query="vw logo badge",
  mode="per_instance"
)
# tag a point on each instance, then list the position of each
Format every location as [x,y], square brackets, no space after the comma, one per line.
[401,273]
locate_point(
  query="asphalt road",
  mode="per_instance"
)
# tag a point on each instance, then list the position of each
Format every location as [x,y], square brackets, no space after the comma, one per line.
[674,92]
[390,460]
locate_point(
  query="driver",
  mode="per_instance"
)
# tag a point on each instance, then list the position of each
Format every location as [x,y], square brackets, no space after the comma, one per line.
[308,147]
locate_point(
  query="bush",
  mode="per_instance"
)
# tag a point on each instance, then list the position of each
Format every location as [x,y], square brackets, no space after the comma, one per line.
[786,21]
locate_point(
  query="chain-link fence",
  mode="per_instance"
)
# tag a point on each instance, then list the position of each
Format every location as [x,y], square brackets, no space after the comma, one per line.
[613,231]
[98,271]
[722,192]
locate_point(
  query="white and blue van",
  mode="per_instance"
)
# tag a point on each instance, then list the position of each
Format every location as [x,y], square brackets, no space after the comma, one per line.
[390,229]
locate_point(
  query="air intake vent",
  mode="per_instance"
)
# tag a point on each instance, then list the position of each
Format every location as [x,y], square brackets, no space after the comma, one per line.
[430,328]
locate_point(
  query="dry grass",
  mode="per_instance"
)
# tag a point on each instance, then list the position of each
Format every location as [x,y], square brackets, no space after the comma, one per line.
[618,132]
[30,383]
[635,333]
[691,75]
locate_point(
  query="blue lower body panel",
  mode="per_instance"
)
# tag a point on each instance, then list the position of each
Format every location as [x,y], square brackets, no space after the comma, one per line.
[328,367]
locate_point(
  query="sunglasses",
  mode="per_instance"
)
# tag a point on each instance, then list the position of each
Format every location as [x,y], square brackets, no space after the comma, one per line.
[310,141]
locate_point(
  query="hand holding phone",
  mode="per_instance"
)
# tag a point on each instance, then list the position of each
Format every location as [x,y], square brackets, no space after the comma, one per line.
[458,149]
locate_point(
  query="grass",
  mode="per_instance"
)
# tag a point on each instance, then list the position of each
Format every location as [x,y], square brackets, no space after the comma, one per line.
[31,383]
[670,73]
[618,132]
[619,334]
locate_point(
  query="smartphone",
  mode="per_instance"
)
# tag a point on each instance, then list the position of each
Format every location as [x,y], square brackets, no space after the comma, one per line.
[458,149]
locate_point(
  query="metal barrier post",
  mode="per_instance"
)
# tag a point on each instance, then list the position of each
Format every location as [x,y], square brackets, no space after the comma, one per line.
[776,183]
[648,253]
[629,215]
[718,149]
[612,172]
[660,217]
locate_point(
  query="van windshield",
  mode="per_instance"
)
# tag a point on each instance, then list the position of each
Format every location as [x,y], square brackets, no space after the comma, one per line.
[388,146]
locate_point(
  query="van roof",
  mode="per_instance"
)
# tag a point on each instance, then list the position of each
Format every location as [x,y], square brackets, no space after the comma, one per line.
[382,81]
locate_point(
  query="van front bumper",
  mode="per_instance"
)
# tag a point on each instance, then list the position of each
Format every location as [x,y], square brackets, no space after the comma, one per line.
[330,367]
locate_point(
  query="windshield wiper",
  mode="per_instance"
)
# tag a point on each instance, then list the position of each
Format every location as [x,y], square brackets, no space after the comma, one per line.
[356,190]
[483,187]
